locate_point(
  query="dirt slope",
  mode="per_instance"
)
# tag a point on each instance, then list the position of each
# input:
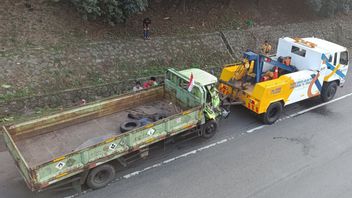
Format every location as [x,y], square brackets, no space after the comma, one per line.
[45,22]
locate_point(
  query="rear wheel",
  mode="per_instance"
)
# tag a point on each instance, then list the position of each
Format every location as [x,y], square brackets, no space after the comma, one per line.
[209,129]
[273,113]
[328,92]
[100,176]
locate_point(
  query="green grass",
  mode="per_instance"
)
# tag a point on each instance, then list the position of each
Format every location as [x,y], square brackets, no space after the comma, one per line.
[12,94]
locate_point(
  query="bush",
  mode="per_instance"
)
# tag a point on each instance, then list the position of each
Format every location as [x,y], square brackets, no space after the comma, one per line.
[113,11]
[329,8]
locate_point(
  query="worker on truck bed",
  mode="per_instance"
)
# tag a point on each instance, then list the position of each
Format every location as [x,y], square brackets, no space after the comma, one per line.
[150,83]
[138,86]
[266,48]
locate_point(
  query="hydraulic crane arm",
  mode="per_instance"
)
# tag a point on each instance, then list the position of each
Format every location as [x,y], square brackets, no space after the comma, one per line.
[259,62]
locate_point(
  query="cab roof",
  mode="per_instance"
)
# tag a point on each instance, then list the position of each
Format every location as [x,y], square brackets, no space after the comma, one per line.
[200,76]
[322,46]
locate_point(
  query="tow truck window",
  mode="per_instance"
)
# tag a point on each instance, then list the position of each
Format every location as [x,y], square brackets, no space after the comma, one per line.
[298,51]
[344,58]
[335,59]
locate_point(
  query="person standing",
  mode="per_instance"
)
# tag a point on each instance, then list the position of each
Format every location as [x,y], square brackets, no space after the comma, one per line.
[146,24]
[266,48]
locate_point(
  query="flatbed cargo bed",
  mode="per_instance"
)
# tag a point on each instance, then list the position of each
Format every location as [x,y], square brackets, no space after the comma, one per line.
[69,139]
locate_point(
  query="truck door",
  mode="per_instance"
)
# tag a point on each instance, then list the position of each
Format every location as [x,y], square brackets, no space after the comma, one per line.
[337,68]
[343,62]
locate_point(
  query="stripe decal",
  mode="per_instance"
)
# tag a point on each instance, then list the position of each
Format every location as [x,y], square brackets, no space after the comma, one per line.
[335,70]
[315,82]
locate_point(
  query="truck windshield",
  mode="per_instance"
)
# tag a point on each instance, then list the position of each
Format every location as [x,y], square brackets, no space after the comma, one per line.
[344,58]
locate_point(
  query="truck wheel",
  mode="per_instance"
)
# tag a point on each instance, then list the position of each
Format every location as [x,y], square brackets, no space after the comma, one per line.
[100,176]
[328,92]
[130,125]
[272,113]
[209,129]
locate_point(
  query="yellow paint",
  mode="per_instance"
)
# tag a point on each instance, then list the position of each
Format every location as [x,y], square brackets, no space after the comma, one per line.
[109,140]
[61,175]
[236,72]
[270,91]
[148,126]
[59,159]
[332,73]
[150,140]
[188,126]
[225,89]
[186,112]
[262,95]
[251,68]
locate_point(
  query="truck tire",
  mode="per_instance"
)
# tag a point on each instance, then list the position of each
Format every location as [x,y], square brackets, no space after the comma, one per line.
[328,92]
[209,129]
[273,113]
[130,125]
[100,176]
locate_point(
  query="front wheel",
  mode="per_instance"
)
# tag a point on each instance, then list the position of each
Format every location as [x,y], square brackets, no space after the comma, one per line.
[328,92]
[209,129]
[100,176]
[273,113]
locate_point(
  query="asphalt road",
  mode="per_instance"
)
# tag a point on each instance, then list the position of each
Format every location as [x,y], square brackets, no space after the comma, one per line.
[308,153]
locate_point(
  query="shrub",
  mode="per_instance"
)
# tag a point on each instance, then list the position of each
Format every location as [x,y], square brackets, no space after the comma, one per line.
[113,11]
[329,8]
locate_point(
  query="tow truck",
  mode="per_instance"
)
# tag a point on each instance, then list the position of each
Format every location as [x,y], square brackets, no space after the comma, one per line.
[302,68]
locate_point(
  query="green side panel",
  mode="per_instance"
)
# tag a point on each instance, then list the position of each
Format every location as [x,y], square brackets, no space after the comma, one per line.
[49,172]
[19,160]
[115,147]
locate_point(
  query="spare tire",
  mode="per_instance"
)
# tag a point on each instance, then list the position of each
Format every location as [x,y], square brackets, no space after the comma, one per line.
[135,116]
[158,116]
[130,125]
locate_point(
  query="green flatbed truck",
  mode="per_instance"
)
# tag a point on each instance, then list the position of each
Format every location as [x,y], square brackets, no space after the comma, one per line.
[77,146]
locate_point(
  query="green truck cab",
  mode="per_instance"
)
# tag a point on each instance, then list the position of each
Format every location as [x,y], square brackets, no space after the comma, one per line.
[76,146]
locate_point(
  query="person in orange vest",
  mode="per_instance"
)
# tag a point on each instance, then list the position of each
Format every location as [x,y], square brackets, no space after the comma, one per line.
[276,73]
[150,83]
[271,74]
